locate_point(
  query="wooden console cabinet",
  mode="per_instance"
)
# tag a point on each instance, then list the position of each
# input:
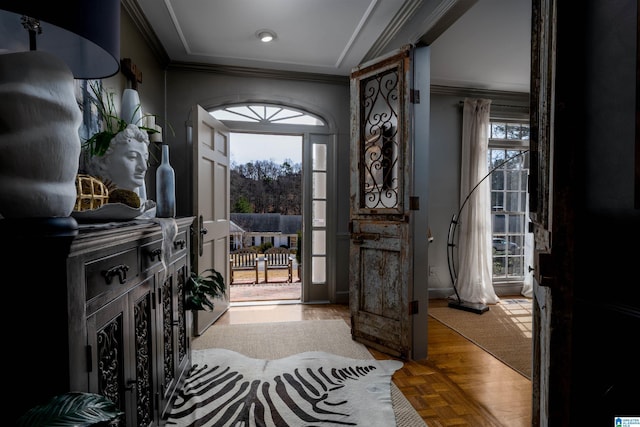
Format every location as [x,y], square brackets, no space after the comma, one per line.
[96,310]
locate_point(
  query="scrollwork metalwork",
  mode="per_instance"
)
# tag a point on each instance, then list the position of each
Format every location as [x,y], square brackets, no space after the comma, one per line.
[379,133]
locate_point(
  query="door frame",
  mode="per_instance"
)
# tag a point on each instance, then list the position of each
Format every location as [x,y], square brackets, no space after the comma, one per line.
[318,293]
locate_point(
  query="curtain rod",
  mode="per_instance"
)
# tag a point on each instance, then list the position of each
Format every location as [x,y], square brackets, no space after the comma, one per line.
[503,105]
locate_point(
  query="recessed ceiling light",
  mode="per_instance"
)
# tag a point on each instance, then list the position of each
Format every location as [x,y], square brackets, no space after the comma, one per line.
[265,35]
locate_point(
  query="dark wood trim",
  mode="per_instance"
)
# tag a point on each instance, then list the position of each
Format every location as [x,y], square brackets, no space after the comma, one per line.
[637,148]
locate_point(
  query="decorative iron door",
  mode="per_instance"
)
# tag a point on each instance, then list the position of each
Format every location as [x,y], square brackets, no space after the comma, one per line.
[381,281]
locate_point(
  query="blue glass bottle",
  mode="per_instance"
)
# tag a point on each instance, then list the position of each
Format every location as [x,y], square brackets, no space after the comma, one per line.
[165,187]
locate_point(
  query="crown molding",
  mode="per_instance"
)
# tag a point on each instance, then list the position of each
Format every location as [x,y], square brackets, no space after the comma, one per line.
[259,72]
[405,13]
[496,95]
[135,13]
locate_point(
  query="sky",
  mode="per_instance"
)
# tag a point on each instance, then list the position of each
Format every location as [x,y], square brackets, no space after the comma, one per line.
[251,147]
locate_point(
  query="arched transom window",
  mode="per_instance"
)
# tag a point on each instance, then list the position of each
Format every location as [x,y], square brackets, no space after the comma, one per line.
[265,114]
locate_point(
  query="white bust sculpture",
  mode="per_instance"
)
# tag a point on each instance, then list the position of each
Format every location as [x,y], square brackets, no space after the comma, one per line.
[125,162]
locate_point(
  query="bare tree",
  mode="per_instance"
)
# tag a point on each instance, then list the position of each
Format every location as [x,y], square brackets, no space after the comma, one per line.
[267,187]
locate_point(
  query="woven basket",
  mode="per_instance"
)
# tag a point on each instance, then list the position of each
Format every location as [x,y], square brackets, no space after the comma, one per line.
[91,193]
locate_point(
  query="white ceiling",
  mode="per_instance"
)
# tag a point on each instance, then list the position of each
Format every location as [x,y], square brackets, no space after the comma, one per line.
[487,47]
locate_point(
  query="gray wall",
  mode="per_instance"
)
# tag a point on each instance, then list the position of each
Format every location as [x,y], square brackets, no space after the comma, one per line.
[444,185]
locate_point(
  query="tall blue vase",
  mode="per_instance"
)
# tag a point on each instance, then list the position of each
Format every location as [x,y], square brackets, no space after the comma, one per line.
[131,110]
[165,187]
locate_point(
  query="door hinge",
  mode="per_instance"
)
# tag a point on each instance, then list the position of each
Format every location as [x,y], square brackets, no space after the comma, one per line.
[414,96]
[414,203]
[413,307]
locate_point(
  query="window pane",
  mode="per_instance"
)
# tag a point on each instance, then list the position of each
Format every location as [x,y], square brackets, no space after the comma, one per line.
[319,242]
[319,213]
[497,180]
[227,115]
[319,157]
[498,224]
[498,130]
[318,269]
[497,201]
[524,178]
[497,157]
[499,264]
[513,180]
[513,131]
[516,223]
[319,185]
[516,266]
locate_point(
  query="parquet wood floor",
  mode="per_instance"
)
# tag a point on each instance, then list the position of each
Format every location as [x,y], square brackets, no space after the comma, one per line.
[458,384]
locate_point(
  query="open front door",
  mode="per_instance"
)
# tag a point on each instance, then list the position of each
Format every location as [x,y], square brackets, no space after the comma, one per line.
[211,205]
[381,253]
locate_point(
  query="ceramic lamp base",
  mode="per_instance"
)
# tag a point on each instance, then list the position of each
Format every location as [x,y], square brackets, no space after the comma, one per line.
[39,140]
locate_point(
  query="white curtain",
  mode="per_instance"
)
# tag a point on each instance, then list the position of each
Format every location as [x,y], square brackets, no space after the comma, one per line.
[475,275]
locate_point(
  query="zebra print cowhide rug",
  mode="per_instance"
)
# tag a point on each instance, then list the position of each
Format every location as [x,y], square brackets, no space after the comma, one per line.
[225,388]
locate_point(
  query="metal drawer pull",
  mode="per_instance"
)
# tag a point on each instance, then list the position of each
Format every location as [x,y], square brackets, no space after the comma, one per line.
[155,253]
[119,270]
[180,244]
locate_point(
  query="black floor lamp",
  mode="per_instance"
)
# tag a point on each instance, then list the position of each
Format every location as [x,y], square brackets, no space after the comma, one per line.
[459,304]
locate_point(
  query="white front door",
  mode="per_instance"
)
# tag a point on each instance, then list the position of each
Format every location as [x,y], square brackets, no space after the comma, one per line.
[211,205]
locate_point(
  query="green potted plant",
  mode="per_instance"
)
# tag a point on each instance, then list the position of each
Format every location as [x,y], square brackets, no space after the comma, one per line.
[202,289]
[98,143]
[73,409]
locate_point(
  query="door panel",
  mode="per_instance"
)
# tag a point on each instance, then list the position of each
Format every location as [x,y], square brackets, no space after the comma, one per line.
[381,264]
[379,256]
[211,205]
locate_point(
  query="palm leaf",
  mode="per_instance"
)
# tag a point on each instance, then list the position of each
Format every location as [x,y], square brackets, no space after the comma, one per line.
[201,287]
[72,409]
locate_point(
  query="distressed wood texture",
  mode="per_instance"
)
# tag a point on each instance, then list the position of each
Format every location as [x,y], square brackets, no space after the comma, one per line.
[379,298]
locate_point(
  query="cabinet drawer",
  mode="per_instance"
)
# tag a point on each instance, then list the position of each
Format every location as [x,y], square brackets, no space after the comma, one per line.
[151,254]
[180,243]
[111,273]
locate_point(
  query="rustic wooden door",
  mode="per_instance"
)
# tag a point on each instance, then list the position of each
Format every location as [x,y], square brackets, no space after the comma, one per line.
[381,265]
[211,205]
[547,341]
